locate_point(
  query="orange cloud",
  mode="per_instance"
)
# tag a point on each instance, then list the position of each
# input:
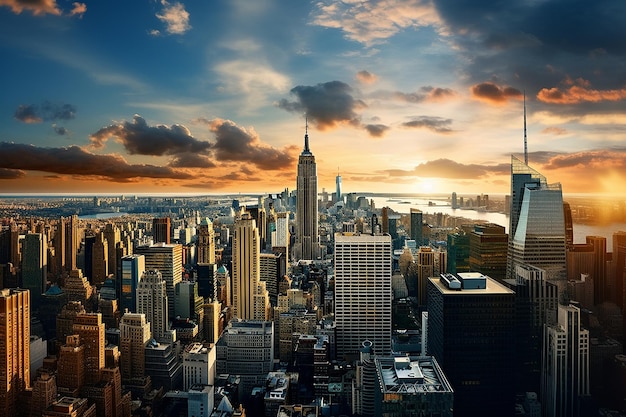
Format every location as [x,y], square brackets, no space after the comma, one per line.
[366,77]
[494,94]
[36,7]
[557,131]
[579,91]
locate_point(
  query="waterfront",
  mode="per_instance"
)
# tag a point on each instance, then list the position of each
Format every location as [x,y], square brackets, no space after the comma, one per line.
[440,204]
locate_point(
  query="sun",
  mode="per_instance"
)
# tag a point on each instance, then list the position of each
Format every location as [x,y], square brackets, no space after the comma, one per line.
[427,185]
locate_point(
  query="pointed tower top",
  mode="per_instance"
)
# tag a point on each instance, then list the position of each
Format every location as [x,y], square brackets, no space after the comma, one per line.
[306,150]
[525,138]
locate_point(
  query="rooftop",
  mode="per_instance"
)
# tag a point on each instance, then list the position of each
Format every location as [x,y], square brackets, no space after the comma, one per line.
[411,375]
[491,286]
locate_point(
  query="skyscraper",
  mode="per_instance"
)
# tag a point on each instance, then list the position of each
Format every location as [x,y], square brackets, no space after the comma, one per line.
[307,246]
[35,267]
[247,294]
[416,226]
[206,242]
[537,224]
[599,268]
[363,292]
[152,301]
[90,328]
[133,267]
[565,371]
[134,335]
[487,250]
[66,243]
[14,347]
[470,333]
[161,230]
[338,194]
[168,260]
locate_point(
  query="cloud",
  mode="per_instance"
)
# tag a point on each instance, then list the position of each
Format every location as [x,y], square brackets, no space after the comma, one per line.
[141,139]
[436,124]
[326,104]
[27,114]
[601,159]
[59,130]
[191,160]
[36,7]
[253,78]
[495,94]
[79,9]
[175,17]
[373,22]
[376,130]
[234,143]
[366,77]
[74,160]
[11,174]
[446,168]
[47,111]
[579,92]
[426,93]
[557,131]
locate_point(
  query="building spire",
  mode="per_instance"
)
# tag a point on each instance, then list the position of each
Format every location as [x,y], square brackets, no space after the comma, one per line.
[525,138]
[306,135]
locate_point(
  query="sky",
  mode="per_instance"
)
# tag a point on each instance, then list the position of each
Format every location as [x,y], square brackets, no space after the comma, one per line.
[402,96]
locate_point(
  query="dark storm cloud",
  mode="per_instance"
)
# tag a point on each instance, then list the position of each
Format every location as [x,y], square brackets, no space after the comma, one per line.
[74,160]
[495,94]
[47,111]
[436,124]
[141,139]
[191,160]
[376,130]
[11,174]
[446,168]
[234,143]
[326,104]
[535,45]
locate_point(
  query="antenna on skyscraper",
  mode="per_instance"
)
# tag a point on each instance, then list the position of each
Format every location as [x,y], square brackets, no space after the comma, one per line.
[525,138]
[306,133]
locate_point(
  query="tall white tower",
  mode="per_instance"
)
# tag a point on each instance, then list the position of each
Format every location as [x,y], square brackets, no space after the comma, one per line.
[152,301]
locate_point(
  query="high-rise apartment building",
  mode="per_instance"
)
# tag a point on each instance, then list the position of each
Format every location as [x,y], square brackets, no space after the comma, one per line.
[280,237]
[363,294]
[537,226]
[71,366]
[488,249]
[161,230]
[152,301]
[470,333]
[35,267]
[250,298]
[134,335]
[307,246]
[565,371]
[14,348]
[66,243]
[113,237]
[168,260]
[205,245]
[90,328]
[133,266]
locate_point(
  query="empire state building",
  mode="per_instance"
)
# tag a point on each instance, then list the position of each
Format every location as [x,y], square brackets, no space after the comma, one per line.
[307,245]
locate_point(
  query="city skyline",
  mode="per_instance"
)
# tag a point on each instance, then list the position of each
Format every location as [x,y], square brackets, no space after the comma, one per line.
[211,97]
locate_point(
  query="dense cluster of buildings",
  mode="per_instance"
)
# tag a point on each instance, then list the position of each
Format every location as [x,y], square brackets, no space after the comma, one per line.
[269,309]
